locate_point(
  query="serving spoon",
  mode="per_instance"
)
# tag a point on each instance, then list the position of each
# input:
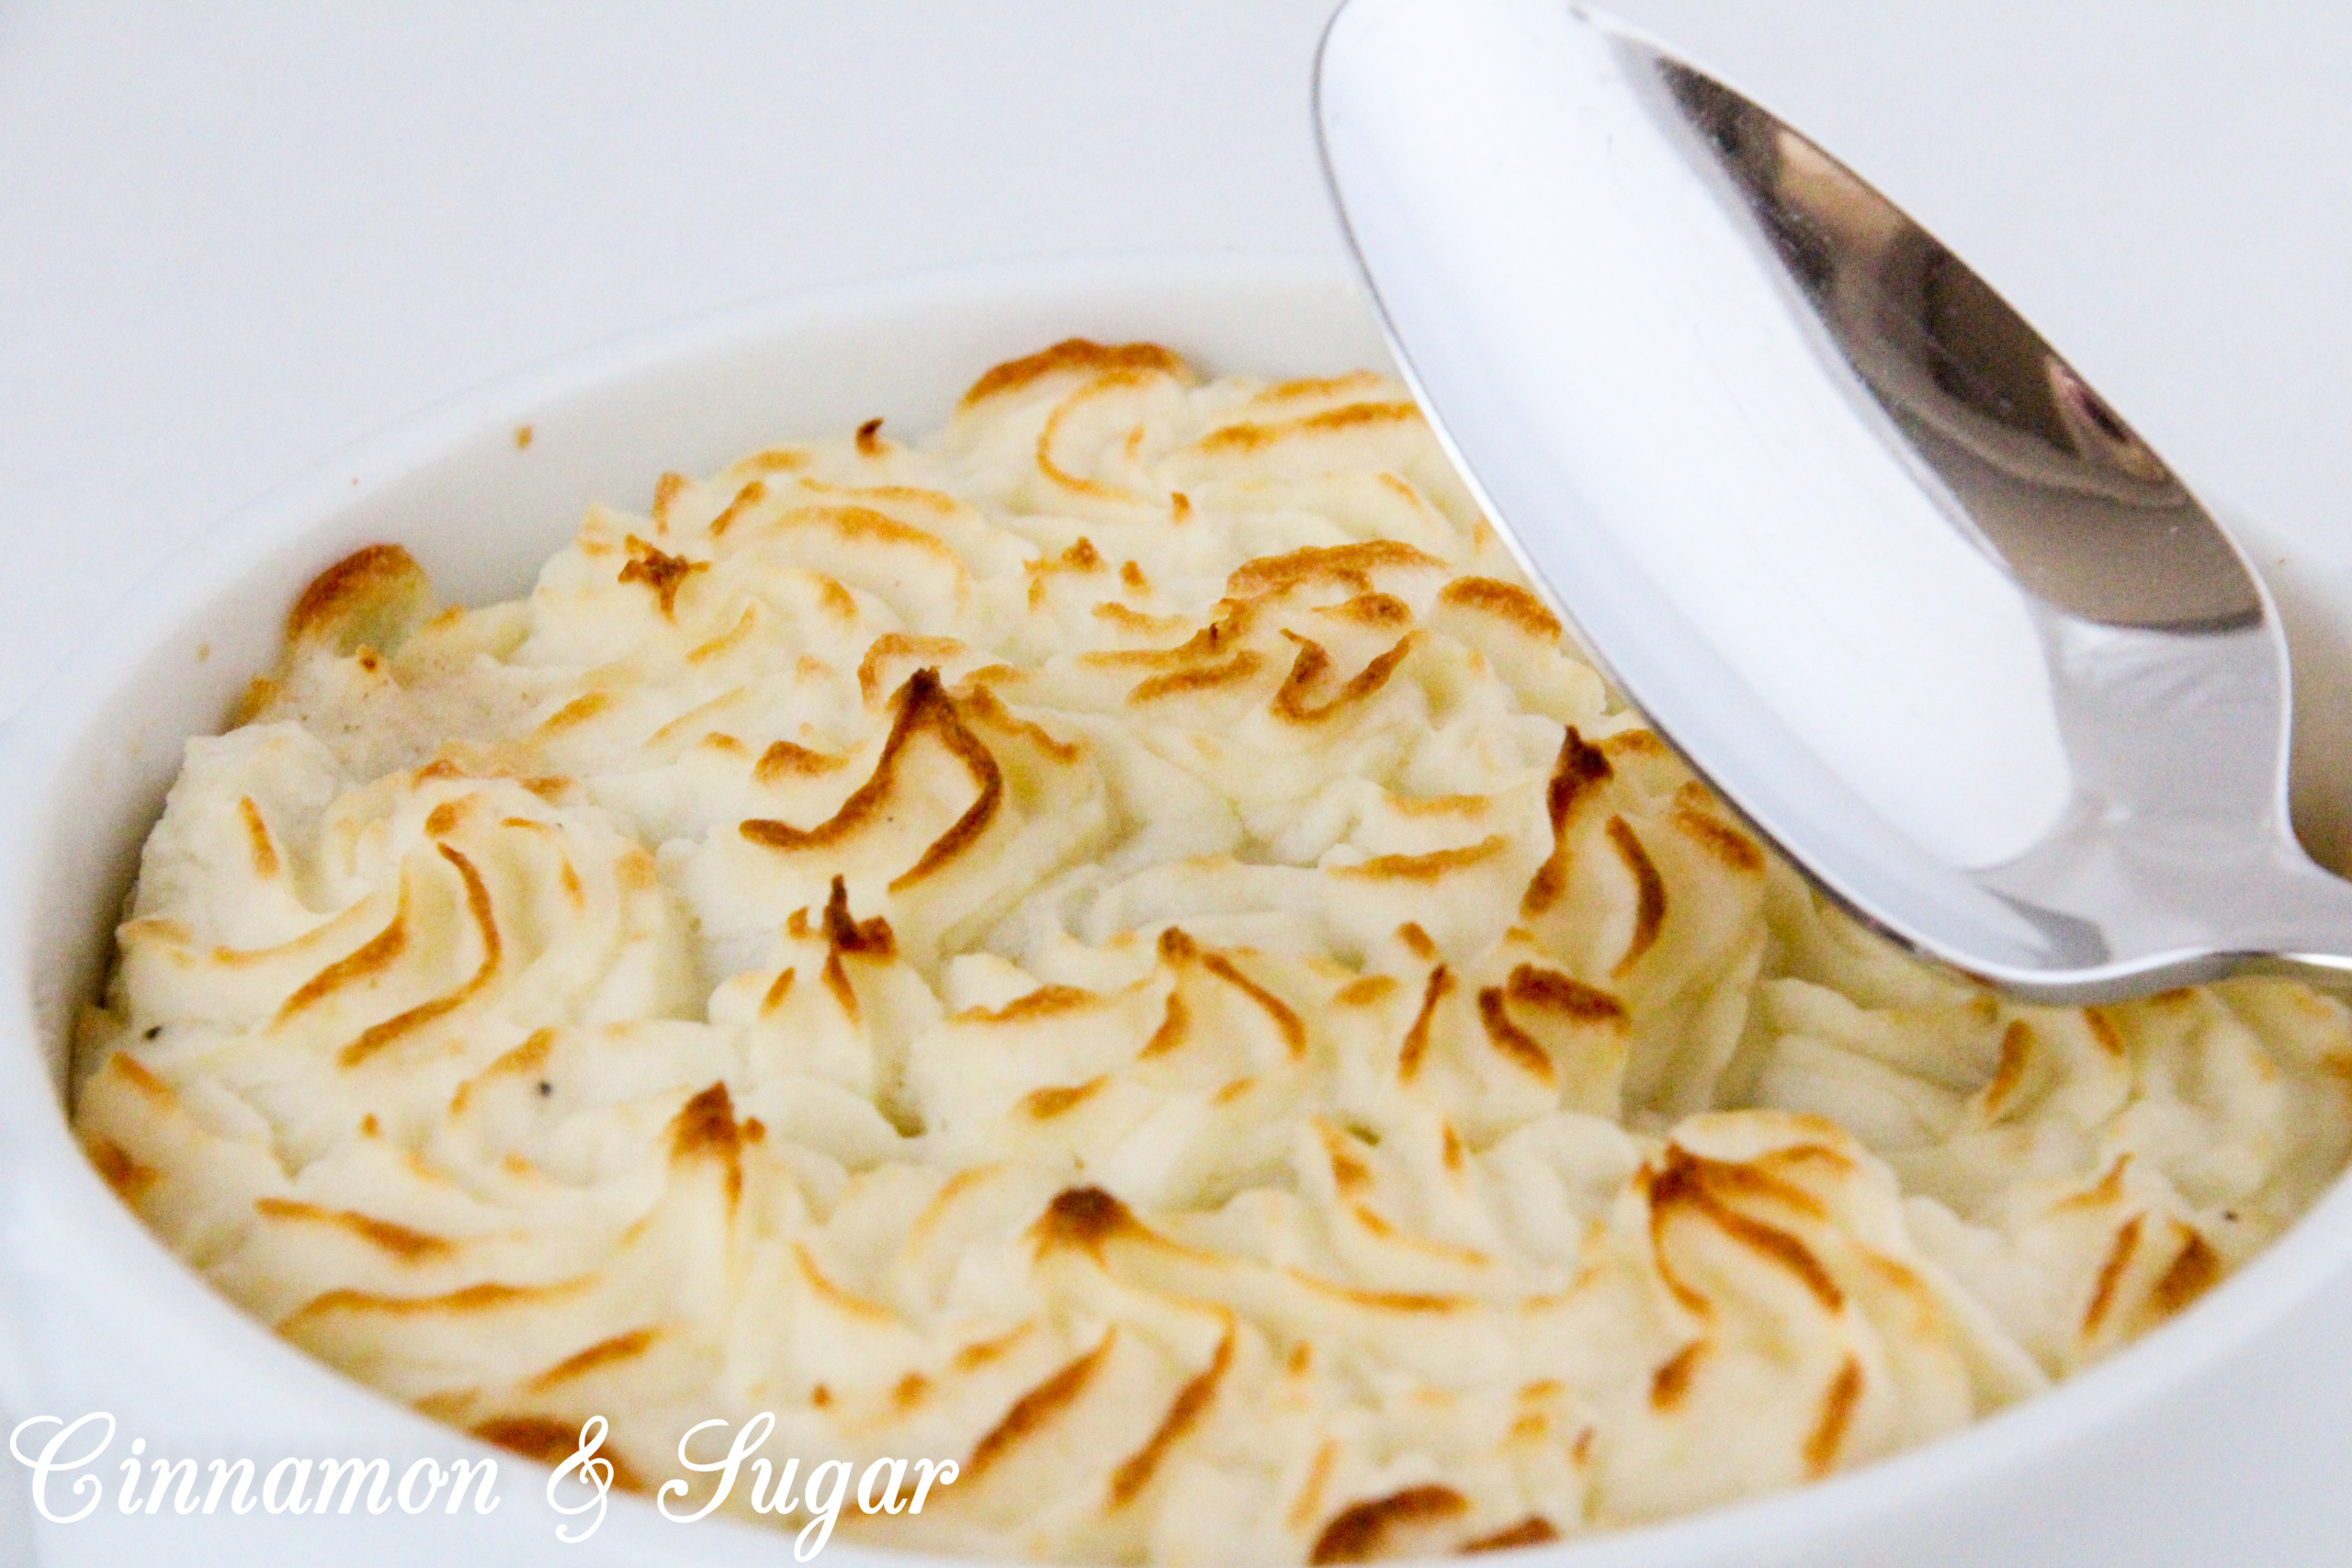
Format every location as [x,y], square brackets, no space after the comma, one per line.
[1886,570]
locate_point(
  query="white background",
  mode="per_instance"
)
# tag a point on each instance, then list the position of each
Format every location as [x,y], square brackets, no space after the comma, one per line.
[234,237]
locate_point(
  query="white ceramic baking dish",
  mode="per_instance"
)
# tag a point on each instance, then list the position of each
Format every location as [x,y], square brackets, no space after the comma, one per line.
[2222,1437]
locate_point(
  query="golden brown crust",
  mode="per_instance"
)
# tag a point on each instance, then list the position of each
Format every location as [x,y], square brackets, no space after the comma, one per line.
[369,598]
[846,1301]
[1694,816]
[1433,866]
[1251,436]
[604,1353]
[660,572]
[784,760]
[393,1240]
[1407,1302]
[1532,1530]
[373,956]
[2110,1274]
[1244,664]
[1416,1037]
[2192,1272]
[1294,1032]
[1441,804]
[1349,565]
[1035,1409]
[1515,1044]
[1371,610]
[667,491]
[529,1057]
[1312,386]
[1191,1402]
[1045,1104]
[1083,1218]
[1112,381]
[871,937]
[1533,985]
[898,645]
[377,1037]
[923,705]
[546,1440]
[1078,355]
[1290,701]
[1209,642]
[835,979]
[1837,1402]
[1348,1173]
[263,851]
[1360,1532]
[466,1303]
[1578,772]
[2105,1190]
[2103,1030]
[1044,1002]
[1689,1184]
[2017,1050]
[986,710]
[576,711]
[778,989]
[1649,909]
[1672,1379]
[1135,622]
[706,1125]
[130,1180]
[1506,601]
[751,496]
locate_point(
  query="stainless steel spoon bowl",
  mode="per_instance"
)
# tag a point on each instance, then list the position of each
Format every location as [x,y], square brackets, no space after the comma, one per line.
[1877,560]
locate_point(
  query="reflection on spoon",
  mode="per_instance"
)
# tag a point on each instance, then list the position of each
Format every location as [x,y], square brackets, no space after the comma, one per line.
[1885,568]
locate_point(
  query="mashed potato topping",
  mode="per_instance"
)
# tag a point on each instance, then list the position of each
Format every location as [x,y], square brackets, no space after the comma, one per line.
[1113,944]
